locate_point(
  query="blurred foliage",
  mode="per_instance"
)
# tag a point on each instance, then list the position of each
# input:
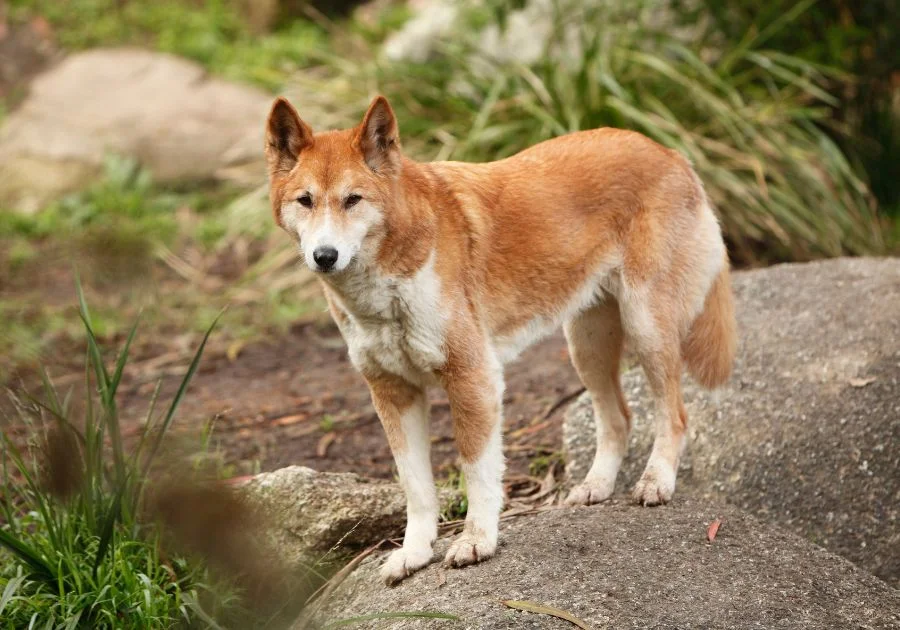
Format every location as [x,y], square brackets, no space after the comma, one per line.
[211,32]
[784,107]
[756,122]
[859,38]
[125,207]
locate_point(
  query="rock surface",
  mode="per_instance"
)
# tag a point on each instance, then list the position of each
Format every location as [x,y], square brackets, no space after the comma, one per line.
[807,433]
[621,566]
[159,109]
[311,512]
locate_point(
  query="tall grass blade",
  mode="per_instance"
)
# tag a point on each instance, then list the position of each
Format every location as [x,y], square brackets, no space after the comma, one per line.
[108,528]
[104,383]
[123,358]
[11,587]
[30,556]
[176,401]
[39,499]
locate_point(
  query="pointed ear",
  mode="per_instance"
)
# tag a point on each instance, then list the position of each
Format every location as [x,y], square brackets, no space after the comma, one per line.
[379,139]
[286,136]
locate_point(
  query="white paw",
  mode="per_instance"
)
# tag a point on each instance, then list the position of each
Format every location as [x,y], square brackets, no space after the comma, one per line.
[404,562]
[656,486]
[590,492]
[470,548]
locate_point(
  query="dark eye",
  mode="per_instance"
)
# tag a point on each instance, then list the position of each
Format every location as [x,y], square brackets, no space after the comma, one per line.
[305,200]
[352,200]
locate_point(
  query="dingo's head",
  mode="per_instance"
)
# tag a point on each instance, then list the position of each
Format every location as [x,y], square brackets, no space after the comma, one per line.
[330,191]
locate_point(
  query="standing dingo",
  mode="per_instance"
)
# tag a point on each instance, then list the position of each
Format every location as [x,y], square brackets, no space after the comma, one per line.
[439,273]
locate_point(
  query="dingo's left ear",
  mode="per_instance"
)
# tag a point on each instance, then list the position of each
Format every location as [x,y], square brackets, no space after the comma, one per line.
[286,136]
[379,139]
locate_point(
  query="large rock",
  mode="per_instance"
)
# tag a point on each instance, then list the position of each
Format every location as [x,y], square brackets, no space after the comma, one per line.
[807,432]
[621,566]
[164,111]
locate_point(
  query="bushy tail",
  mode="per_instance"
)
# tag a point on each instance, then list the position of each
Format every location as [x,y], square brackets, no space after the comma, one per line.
[710,345]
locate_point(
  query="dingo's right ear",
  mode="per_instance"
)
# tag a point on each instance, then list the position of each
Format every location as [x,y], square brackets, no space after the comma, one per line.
[286,136]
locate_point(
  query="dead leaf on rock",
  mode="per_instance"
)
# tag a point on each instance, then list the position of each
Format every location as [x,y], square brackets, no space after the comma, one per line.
[533,607]
[713,529]
[862,382]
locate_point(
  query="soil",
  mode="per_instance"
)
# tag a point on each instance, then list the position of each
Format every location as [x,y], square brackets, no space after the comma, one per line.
[297,400]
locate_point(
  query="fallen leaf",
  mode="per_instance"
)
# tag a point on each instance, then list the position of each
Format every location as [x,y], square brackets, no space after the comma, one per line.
[532,607]
[713,529]
[284,421]
[441,578]
[862,382]
[324,443]
[234,350]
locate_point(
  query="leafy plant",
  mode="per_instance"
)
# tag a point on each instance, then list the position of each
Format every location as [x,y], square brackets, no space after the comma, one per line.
[750,118]
[80,555]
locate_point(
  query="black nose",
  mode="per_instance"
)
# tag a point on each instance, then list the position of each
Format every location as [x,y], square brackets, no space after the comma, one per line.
[325,257]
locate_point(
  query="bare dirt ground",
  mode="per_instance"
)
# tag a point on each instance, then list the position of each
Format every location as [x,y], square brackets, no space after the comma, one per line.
[288,398]
[298,400]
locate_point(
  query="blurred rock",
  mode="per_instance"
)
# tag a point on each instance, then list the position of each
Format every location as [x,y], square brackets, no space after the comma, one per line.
[622,566]
[164,111]
[807,432]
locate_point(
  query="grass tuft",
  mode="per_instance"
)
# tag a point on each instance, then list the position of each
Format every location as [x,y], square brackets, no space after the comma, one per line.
[77,552]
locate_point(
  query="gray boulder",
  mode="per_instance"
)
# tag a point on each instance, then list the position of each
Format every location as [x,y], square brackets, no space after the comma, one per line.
[161,110]
[621,566]
[807,432]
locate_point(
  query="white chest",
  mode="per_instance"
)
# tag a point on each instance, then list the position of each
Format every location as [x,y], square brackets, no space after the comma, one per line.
[395,324]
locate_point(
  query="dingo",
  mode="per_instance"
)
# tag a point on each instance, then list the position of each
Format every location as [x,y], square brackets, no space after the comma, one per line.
[439,273]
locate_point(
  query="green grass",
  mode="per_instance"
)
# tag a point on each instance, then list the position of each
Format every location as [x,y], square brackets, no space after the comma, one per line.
[77,553]
[124,197]
[754,121]
[455,508]
[210,32]
[126,213]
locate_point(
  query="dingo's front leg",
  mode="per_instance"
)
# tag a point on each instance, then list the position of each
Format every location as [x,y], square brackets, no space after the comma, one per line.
[403,410]
[475,391]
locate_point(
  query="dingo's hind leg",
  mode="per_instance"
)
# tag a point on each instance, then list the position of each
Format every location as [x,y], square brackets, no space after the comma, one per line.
[595,344]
